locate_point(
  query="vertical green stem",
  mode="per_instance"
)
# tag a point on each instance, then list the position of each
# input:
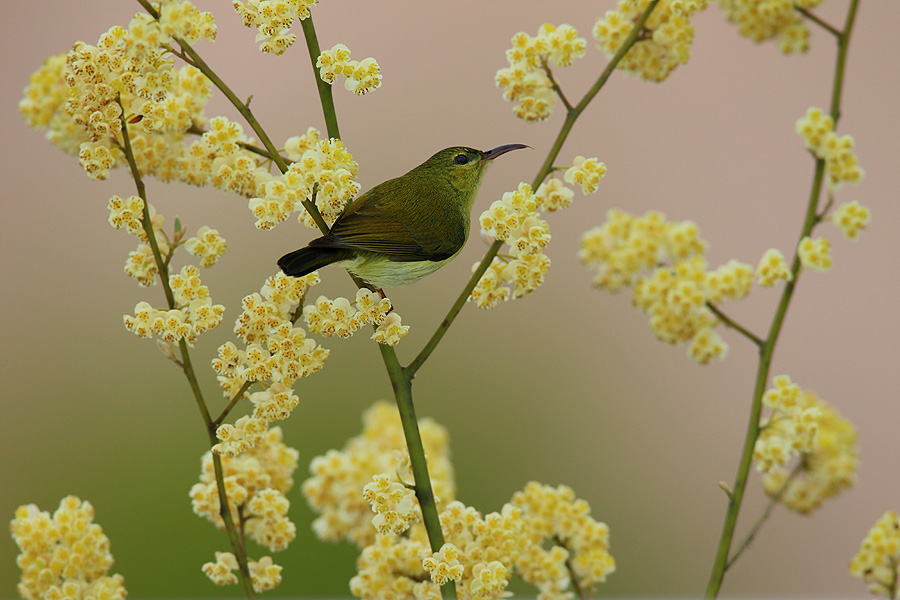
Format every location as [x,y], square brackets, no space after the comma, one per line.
[187,367]
[326,96]
[721,563]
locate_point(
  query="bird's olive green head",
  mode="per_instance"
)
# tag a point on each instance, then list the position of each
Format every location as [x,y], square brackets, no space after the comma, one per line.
[463,167]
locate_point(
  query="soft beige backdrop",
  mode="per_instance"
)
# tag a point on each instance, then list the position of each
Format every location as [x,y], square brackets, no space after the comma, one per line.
[566,386]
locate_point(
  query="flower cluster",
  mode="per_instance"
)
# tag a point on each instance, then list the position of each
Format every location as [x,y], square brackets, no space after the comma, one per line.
[361,77]
[677,296]
[666,40]
[65,555]
[772,268]
[761,21]
[255,484]
[556,516]
[878,559]
[207,245]
[83,96]
[276,352]
[338,317]
[526,80]
[815,253]
[273,19]
[127,214]
[264,574]
[516,220]
[323,170]
[851,218]
[219,158]
[194,312]
[335,489]
[841,163]
[443,566]
[802,425]
[395,504]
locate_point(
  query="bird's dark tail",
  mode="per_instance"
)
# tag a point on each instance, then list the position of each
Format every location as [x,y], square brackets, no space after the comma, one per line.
[306,260]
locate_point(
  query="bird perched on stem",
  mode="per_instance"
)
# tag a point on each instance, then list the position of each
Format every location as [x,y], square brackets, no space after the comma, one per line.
[405,228]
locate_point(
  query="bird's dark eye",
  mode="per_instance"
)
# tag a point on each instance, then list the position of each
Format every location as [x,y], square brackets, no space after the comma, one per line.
[460,159]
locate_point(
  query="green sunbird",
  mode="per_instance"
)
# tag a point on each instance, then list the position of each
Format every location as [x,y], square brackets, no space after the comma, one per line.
[405,228]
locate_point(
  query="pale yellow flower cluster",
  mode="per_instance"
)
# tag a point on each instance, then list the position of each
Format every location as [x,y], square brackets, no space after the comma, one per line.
[321,167]
[667,37]
[526,80]
[674,296]
[127,214]
[556,516]
[443,566]
[516,219]
[482,552]
[207,245]
[841,163]
[878,559]
[802,425]
[815,253]
[361,77]
[264,574]
[193,314]
[273,19]
[64,556]
[255,484]
[390,330]
[772,268]
[394,504]
[761,20]
[276,352]
[586,172]
[81,97]
[219,159]
[338,317]
[851,218]
[335,489]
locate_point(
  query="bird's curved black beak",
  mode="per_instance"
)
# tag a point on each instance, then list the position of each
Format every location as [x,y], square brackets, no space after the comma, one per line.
[495,152]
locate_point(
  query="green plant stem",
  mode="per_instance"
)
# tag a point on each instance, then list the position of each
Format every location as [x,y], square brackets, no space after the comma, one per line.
[765,515]
[186,365]
[729,322]
[572,114]
[240,394]
[721,563]
[326,96]
[818,21]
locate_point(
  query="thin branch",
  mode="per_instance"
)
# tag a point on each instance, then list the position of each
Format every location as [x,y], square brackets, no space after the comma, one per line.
[237,397]
[764,516]
[818,21]
[729,322]
[555,84]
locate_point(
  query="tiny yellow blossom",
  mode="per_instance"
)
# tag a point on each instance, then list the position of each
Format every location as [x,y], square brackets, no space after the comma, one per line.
[221,572]
[444,565]
[772,268]
[390,330]
[207,245]
[585,172]
[851,218]
[264,574]
[841,163]
[361,76]
[815,253]
[878,559]
[127,214]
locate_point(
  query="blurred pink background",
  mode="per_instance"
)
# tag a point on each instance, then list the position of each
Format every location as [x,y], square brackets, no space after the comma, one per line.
[565,386]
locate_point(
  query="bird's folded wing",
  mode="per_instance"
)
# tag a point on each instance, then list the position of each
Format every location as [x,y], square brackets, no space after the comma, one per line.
[373,229]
